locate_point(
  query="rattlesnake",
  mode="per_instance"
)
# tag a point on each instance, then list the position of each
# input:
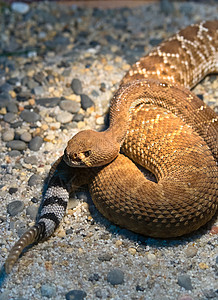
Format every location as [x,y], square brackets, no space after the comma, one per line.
[160,125]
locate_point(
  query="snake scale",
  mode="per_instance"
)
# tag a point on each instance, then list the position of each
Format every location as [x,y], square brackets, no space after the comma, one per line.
[155,123]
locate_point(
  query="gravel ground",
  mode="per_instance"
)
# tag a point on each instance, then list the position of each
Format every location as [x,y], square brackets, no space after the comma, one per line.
[59,67]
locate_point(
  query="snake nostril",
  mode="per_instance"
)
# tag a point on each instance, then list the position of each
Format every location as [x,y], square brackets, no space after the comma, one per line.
[74,157]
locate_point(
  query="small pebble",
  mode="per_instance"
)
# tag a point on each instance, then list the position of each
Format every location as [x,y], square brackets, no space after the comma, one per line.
[20,7]
[132,251]
[48,291]
[31,160]
[115,276]
[26,137]
[10,117]
[70,106]
[16,124]
[24,96]
[17,145]
[15,207]
[14,153]
[12,107]
[29,116]
[203,266]
[86,102]
[75,295]
[191,251]
[32,211]
[34,180]
[8,135]
[34,200]
[140,288]
[48,102]
[64,117]
[105,257]
[98,294]
[35,143]
[100,121]
[12,190]
[103,87]
[151,256]
[94,277]
[185,282]
[38,90]
[78,117]
[76,86]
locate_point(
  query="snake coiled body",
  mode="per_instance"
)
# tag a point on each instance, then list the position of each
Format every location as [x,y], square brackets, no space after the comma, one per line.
[169,131]
[159,125]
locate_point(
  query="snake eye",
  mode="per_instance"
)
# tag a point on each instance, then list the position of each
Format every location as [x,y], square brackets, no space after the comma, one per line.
[87,153]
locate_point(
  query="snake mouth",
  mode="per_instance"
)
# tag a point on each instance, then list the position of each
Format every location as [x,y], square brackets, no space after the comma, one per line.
[77,160]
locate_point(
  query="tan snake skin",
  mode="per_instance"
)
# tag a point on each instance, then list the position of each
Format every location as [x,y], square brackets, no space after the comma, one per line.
[165,128]
[161,126]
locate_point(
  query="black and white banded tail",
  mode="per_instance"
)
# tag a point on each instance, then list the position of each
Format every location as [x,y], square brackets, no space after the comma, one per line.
[52,211]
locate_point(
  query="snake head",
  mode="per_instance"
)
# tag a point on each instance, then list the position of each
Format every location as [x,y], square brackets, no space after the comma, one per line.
[90,148]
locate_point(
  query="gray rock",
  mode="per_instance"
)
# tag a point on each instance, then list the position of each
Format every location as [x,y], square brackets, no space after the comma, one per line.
[38,90]
[105,257]
[8,135]
[12,107]
[76,295]
[76,86]
[14,153]
[32,211]
[35,143]
[64,117]
[6,87]
[29,116]
[185,282]
[115,276]
[94,277]
[40,78]
[31,160]
[98,293]
[191,251]
[26,137]
[12,190]
[20,7]
[78,117]
[140,288]
[70,106]
[86,101]
[103,87]
[5,99]
[24,96]
[29,82]
[34,180]
[16,124]
[48,102]
[21,228]
[48,291]
[217,260]
[15,207]
[10,117]
[17,145]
